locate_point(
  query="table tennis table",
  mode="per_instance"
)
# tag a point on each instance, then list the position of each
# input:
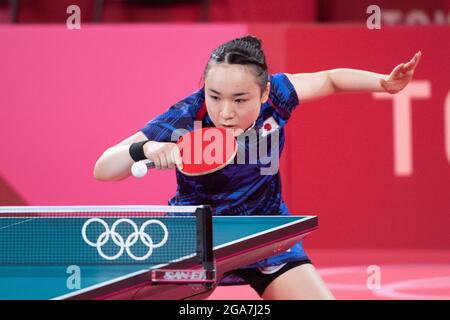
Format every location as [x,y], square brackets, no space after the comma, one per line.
[236,241]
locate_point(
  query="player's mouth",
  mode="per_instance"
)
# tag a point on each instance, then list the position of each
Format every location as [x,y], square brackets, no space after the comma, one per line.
[234,128]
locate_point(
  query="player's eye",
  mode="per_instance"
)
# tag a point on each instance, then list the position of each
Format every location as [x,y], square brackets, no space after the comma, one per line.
[214,97]
[240,100]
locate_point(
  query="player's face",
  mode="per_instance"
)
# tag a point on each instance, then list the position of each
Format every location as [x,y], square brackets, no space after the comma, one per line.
[233,98]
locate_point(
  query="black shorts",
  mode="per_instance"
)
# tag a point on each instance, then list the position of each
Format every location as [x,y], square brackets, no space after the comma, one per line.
[259,281]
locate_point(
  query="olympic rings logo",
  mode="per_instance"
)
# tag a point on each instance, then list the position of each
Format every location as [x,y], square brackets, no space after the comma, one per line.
[124,245]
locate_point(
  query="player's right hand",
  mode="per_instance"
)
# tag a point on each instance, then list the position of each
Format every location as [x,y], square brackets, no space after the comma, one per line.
[165,155]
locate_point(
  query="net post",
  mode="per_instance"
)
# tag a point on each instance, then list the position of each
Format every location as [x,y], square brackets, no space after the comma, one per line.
[205,251]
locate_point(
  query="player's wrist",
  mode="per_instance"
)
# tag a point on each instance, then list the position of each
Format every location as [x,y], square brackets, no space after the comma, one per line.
[136,150]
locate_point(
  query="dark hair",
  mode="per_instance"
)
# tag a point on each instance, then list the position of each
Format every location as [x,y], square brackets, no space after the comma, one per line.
[246,50]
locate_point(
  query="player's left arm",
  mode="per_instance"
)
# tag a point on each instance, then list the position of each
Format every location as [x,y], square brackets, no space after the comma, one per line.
[320,84]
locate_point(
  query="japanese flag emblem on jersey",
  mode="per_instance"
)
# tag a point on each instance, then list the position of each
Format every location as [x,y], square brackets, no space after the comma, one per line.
[269,126]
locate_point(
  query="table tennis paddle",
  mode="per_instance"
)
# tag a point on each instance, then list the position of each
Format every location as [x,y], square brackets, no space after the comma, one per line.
[203,151]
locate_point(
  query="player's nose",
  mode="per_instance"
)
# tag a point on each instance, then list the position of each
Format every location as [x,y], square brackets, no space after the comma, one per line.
[227,111]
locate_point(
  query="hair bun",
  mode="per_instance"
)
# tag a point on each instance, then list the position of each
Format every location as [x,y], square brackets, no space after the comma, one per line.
[254,41]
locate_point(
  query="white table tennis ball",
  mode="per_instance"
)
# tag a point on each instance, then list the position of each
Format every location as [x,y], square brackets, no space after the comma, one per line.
[139,169]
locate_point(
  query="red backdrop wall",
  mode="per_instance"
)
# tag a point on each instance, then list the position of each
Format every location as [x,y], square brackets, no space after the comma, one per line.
[340,159]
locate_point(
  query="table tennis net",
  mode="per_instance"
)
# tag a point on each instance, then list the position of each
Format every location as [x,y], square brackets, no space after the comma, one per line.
[100,235]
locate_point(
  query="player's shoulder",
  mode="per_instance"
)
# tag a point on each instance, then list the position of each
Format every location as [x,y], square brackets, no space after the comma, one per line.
[181,115]
[190,103]
[282,92]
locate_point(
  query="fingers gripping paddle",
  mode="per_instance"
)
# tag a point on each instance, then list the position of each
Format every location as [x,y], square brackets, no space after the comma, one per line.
[202,151]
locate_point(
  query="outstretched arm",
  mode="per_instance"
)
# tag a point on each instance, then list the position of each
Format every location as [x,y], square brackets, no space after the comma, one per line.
[320,84]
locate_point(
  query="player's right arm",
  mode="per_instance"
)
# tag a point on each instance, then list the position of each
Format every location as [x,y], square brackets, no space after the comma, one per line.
[115,163]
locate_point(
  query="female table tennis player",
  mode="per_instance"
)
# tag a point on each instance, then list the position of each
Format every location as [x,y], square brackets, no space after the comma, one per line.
[239,94]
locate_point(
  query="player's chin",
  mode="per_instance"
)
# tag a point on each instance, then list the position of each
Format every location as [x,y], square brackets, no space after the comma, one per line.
[238,131]
[234,129]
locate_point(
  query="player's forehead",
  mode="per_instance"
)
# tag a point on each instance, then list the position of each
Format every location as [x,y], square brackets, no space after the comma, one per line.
[229,79]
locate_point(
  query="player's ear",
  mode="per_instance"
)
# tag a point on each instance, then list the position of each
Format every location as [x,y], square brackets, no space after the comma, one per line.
[265,94]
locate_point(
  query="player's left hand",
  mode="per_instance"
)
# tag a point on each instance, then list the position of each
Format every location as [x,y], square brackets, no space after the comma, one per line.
[401,75]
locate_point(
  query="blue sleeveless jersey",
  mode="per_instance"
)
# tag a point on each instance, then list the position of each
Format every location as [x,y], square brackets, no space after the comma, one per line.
[237,189]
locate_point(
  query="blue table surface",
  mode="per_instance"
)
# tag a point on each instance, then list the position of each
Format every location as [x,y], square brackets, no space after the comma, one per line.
[23,281]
